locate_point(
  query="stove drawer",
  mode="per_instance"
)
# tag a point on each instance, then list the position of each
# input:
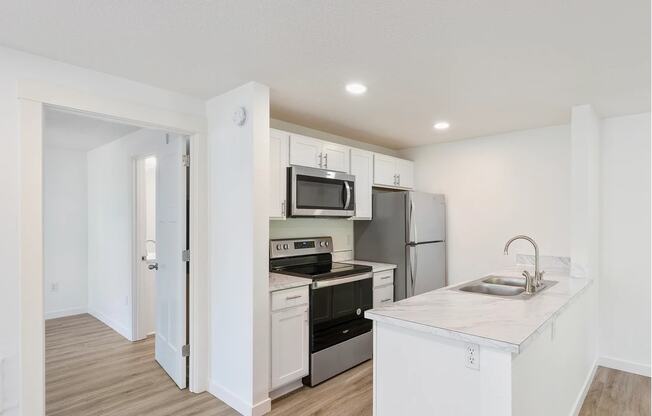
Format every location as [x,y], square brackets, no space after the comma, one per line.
[288,298]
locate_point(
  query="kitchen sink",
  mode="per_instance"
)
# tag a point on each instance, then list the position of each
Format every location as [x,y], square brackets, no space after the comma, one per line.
[492,289]
[508,281]
[502,286]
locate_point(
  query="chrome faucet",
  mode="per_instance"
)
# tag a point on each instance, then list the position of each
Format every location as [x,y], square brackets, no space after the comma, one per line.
[531,282]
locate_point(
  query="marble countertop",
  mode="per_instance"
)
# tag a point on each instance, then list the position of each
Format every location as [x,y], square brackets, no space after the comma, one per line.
[506,324]
[376,267]
[279,281]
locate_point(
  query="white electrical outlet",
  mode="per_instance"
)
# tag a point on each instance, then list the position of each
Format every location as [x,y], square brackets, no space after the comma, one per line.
[472,356]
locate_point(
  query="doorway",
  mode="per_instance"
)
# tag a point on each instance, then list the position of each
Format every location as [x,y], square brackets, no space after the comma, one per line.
[33,97]
[116,204]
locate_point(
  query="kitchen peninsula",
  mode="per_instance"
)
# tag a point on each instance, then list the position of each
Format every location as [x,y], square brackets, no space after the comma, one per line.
[452,352]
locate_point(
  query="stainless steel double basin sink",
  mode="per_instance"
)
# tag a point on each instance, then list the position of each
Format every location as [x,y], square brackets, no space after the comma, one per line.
[503,286]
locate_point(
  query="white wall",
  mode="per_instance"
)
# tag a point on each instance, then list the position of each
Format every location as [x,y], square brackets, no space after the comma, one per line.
[65,232]
[111,170]
[239,234]
[18,66]
[625,243]
[497,187]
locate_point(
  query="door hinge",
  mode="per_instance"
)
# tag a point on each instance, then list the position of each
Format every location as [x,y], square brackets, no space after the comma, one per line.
[185,350]
[186,160]
[185,255]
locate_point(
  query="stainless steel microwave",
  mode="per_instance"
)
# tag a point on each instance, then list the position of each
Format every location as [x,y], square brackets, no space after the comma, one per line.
[320,193]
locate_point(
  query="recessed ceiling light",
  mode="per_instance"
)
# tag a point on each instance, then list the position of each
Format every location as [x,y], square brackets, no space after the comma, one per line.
[441,125]
[356,88]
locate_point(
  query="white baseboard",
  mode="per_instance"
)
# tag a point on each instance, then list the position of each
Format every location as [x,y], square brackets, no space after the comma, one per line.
[241,406]
[283,390]
[60,313]
[111,323]
[624,365]
[585,389]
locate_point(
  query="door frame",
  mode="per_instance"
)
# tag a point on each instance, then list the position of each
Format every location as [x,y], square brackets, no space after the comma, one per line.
[32,96]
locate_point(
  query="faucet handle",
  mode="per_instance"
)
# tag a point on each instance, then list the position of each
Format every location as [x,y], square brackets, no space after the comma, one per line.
[541,273]
[526,274]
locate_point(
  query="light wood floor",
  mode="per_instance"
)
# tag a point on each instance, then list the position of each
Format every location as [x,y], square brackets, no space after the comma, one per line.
[91,370]
[614,392]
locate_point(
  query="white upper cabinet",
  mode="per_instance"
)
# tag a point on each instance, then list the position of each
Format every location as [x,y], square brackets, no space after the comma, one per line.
[336,157]
[362,166]
[315,153]
[392,172]
[405,172]
[305,151]
[384,170]
[279,149]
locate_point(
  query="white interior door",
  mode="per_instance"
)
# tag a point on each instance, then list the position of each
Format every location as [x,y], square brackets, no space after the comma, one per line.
[171,273]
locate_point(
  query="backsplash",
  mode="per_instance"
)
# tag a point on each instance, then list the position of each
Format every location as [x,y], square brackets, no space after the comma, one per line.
[341,230]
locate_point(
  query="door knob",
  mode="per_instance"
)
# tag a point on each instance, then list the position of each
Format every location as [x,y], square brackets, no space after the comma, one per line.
[153,266]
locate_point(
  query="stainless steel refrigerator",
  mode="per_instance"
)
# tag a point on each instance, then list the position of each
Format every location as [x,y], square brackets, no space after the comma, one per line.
[408,229]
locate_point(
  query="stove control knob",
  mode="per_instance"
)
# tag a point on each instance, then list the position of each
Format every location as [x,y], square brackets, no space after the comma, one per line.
[278,246]
[285,246]
[326,243]
[321,244]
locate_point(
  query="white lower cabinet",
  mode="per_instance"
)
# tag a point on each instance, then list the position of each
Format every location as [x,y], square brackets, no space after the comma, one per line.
[383,288]
[289,336]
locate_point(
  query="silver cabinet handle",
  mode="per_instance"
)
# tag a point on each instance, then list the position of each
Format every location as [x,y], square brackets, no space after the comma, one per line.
[326,160]
[399,179]
[292,297]
[386,300]
[321,160]
[386,277]
[283,208]
[153,266]
[394,179]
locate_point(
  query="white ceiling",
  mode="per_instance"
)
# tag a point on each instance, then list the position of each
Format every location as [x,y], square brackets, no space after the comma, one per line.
[73,131]
[485,66]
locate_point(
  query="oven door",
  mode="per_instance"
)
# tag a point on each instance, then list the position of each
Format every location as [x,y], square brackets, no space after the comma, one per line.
[320,193]
[337,310]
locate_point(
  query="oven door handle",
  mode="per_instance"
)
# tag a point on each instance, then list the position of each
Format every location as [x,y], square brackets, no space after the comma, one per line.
[348,194]
[340,280]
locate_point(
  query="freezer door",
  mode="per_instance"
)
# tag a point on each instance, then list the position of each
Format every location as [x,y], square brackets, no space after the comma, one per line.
[426,268]
[426,217]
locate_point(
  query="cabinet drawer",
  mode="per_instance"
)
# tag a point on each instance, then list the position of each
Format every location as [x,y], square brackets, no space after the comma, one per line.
[384,278]
[290,297]
[383,296]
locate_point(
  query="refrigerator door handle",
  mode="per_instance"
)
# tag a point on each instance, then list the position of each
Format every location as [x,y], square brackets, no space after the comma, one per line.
[413,268]
[411,221]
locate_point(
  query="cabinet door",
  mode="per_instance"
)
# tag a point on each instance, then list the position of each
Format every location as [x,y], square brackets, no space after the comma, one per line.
[362,167]
[278,163]
[336,157]
[405,172]
[383,295]
[384,170]
[289,345]
[305,151]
